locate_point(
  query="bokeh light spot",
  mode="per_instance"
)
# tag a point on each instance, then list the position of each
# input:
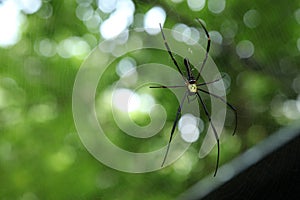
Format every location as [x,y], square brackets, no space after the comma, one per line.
[62,159]
[30,6]
[189,133]
[84,12]
[153,18]
[178,30]
[73,46]
[188,127]
[126,100]
[10,22]
[296,84]
[245,49]
[113,26]
[29,196]
[216,6]
[297,15]
[46,11]
[225,82]
[216,37]
[43,112]
[229,29]
[107,6]
[119,20]
[195,36]
[182,32]
[196,5]
[126,67]
[93,23]
[147,102]
[291,109]
[46,47]
[251,18]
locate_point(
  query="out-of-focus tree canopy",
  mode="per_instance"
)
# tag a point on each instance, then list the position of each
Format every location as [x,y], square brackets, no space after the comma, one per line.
[43,44]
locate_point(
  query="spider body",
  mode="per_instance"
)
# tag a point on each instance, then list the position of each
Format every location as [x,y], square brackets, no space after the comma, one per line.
[193,89]
[190,81]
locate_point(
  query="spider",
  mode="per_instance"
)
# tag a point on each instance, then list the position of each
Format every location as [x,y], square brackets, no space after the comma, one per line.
[192,89]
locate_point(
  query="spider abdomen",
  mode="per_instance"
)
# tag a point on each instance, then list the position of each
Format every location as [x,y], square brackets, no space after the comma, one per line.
[192,88]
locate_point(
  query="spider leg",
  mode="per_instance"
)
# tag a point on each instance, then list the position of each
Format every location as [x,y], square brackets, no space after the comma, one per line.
[170,53]
[174,126]
[214,130]
[163,86]
[188,69]
[207,47]
[228,104]
[206,83]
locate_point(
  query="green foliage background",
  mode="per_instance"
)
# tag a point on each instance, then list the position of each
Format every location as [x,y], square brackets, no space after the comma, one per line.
[41,156]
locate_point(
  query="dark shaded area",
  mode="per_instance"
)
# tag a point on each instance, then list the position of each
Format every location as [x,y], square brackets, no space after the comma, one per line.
[277,176]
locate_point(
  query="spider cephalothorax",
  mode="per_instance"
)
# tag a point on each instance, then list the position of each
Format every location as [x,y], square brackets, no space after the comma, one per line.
[193,88]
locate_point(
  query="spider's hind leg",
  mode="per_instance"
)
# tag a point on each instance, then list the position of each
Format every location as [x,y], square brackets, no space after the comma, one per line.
[174,126]
[214,130]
